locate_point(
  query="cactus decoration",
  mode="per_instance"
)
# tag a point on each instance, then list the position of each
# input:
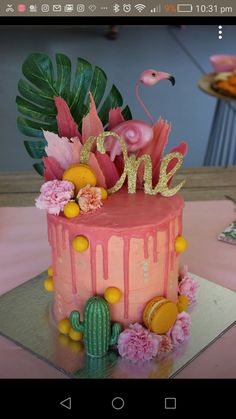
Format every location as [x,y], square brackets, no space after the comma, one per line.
[96,327]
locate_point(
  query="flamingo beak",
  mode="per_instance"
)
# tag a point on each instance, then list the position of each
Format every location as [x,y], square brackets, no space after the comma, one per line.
[165,76]
[172,80]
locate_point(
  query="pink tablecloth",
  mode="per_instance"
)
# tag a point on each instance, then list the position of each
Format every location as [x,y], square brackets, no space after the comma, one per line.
[25,253]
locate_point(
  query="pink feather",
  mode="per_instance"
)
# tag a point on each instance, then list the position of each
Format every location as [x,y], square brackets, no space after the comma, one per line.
[108,169]
[162,140]
[92,126]
[52,169]
[67,152]
[181,148]
[76,147]
[115,118]
[65,122]
[155,149]
[94,163]
[59,148]
[91,123]
[119,163]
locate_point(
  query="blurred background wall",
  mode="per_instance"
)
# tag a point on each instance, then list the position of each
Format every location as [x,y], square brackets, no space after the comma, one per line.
[181,51]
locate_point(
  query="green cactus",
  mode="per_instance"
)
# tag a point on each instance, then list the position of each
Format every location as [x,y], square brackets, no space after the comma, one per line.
[96,327]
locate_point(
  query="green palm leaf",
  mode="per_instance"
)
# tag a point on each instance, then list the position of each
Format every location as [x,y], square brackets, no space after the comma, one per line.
[42,82]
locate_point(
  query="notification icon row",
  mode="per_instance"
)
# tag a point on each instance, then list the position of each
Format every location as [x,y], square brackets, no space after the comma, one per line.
[45,8]
[69,8]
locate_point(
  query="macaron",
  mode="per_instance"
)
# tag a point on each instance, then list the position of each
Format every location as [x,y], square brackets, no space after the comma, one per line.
[159,315]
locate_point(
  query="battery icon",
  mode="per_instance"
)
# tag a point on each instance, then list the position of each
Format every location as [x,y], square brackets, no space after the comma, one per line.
[184,8]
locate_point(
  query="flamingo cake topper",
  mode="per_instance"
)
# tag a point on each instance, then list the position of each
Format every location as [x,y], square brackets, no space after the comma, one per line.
[119,152]
[128,138]
[136,132]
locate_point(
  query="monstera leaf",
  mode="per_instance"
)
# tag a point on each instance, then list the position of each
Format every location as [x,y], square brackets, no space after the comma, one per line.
[36,100]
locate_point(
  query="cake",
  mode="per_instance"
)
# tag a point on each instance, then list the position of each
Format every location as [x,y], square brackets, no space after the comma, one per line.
[114,218]
[131,247]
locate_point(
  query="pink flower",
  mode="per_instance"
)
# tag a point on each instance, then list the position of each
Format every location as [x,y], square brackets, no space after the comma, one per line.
[181,329]
[54,195]
[187,285]
[89,198]
[138,344]
[165,344]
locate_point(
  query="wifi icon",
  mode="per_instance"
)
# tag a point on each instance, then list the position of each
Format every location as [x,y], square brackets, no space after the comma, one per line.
[140,7]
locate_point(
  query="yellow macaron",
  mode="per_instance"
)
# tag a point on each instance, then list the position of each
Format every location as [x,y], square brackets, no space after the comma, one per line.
[159,315]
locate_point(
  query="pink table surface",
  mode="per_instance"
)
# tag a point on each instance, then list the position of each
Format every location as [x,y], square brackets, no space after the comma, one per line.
[25,253]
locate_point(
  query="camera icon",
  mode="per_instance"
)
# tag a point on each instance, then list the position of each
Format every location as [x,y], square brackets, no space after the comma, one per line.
[45,8]
[80,8]
[127,8]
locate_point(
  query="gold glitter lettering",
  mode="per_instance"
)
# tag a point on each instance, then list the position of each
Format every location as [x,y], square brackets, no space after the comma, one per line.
[131,166]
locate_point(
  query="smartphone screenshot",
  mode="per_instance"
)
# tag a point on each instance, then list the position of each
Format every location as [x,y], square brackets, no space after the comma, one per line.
[117,207]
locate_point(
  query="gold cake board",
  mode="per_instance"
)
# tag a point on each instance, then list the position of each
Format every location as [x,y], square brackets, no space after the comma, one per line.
[25,318]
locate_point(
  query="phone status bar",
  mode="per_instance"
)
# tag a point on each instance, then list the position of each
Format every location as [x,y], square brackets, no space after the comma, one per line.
[116,8]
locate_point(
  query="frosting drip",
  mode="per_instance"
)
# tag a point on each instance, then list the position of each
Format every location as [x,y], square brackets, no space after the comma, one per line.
[93,267]
[154,245]
[166,267]
[126,250]
[172,256]
[73,270]
[105,258]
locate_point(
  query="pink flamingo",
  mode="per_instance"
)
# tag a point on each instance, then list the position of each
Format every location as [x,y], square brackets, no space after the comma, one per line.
[137,134]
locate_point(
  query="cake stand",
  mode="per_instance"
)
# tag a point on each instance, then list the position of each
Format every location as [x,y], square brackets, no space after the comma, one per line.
[25,318]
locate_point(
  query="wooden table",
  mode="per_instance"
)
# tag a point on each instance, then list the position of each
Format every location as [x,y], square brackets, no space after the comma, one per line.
[19,189]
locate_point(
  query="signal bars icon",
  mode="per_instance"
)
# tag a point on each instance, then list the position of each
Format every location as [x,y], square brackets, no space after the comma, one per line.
[156,9]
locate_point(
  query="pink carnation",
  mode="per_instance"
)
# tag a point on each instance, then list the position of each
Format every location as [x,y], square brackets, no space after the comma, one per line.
[138,344]
[165,344]
[181,329]
[89,198]
[187,285]
[54,195]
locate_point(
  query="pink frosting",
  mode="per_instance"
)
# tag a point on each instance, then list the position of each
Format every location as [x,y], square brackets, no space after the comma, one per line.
[54,195]
[181,329]
[119,212]
[131,240]
[187,285]
[138,344]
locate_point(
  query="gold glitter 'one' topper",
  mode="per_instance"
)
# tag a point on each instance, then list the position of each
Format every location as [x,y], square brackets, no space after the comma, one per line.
[131,166]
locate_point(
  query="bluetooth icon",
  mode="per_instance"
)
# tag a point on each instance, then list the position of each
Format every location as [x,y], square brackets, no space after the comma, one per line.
[116,8]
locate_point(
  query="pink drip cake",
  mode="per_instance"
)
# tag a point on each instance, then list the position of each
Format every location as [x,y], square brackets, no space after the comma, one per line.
[131,247]
[114,218]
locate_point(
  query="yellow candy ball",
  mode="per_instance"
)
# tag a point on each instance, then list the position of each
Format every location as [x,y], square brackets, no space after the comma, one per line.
[76,336]
[112,295]
[63,326]
[180,244]
[71,210]
[50,271]
[63,340]
[76,347]
[48,285]
[183,303]
[80,175]
[80,243]
[104,193]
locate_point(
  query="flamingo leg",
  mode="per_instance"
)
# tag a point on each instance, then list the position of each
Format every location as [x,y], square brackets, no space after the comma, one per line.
[142,104]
